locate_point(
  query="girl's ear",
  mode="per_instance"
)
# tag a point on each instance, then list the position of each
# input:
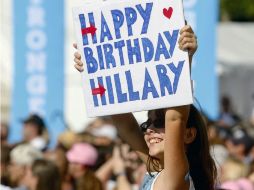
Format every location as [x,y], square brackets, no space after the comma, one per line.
[190,135]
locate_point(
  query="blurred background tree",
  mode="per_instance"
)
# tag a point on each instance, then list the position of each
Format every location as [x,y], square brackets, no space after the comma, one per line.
[237,10]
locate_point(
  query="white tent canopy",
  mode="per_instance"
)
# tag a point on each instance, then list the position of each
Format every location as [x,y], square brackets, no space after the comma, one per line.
[236,44]
[236,65]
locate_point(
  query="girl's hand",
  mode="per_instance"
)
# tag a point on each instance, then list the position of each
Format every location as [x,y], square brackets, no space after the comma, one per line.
[188,40]
[77,59]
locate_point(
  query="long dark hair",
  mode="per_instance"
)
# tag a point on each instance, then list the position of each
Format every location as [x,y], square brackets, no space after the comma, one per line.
[88,181]
[47,174]
[202,167]
[201,163]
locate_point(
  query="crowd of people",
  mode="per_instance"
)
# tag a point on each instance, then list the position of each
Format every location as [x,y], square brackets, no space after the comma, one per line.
[92,160]
[99,159]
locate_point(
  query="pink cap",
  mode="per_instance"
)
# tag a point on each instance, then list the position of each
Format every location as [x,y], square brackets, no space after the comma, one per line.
[82,153]
[229,185]
[238,185]
[245,184]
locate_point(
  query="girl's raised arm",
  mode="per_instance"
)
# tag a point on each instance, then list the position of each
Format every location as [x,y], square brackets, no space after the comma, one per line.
[175,161]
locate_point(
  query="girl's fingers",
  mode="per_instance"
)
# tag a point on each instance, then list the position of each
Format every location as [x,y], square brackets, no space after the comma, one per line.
[77,61]
[189,46]
[186,35]
[79,68]
[77,55]
[75,45]
[186,28]
[185,40]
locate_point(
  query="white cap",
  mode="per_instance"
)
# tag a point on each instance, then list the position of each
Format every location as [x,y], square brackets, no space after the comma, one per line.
[107,130]
[39,143]
[25,154]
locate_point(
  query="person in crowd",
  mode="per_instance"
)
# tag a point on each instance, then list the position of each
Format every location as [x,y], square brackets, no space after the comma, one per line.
[104,135]
[239,145]
[175,144]
[233,169]
[217,147]
[4,164]
[114,166]
[100,132]
[33,130]
[236,175]
[67,139]
[58,157]
[22,157]
[4,132]
[251,175]
[117,173]
[42,175]
[136,169]
[99,122]
[82,157]
[240,184]
[228,118]
[251,120]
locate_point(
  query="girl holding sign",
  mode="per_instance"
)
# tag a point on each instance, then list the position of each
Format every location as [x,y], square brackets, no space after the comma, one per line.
[174,143]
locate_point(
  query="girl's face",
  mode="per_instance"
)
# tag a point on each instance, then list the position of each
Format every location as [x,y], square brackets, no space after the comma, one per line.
[154,135]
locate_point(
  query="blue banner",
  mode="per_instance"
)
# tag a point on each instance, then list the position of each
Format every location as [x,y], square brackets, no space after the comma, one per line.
[38,85]
[203,17]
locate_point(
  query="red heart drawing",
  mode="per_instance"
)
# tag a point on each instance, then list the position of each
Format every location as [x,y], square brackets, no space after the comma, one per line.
[168,12]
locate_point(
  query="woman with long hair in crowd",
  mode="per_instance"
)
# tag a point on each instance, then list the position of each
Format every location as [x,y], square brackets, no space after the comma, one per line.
[43,175]
[174,144]
[82,157]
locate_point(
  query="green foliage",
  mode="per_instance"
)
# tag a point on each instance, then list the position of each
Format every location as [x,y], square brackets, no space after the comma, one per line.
[237,10]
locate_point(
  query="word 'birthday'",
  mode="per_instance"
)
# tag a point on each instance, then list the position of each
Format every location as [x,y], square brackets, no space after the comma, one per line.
[137,50]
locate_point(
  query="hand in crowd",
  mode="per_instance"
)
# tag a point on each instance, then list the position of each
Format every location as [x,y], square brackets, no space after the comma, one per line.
[118,166]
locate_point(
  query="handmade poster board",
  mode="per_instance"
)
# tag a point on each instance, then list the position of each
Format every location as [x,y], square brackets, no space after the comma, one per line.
[131,57]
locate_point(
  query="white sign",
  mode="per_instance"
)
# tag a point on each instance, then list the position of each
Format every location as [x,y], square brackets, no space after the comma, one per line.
[131,57]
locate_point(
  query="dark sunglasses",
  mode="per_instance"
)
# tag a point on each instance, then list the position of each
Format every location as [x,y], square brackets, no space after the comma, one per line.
[158,124]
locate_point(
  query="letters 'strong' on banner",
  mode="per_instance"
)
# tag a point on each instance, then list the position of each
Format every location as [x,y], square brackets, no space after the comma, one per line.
[131,57]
